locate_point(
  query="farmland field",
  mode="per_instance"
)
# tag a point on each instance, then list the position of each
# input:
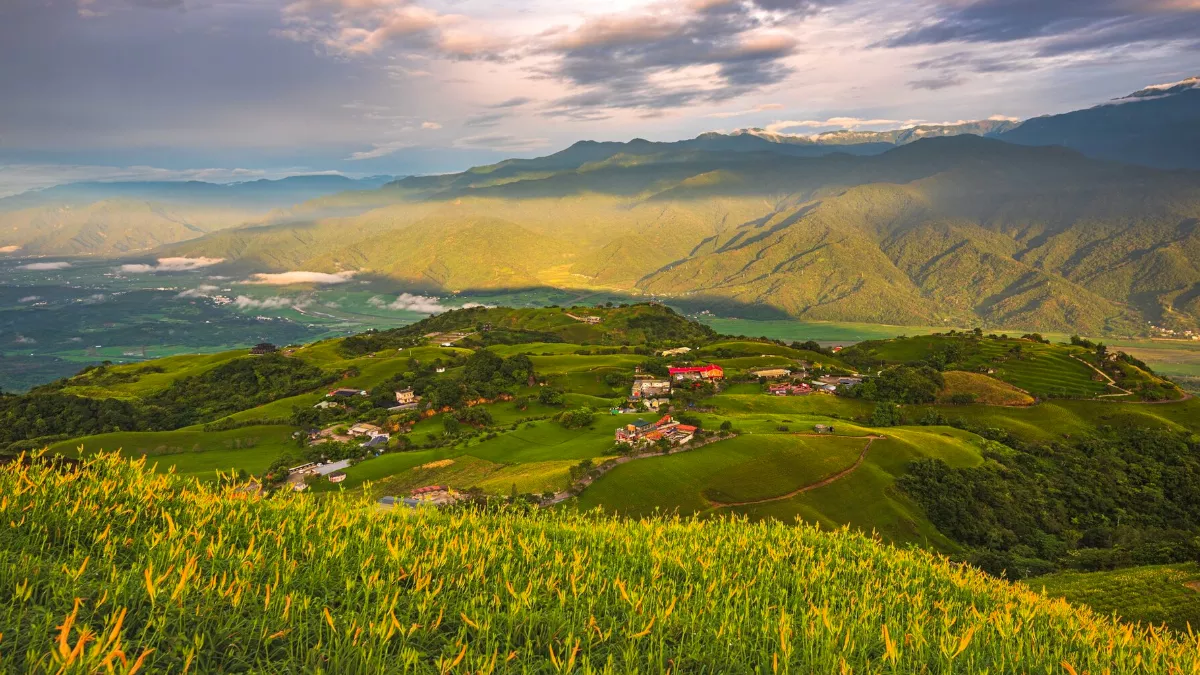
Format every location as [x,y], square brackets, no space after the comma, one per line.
[1154,594]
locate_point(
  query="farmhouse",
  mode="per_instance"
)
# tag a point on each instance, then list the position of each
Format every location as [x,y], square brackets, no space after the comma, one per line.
[346,393]
[365,429]
[642,432]
[823,428]
[771,373]
[379,441]
[785,389]
[650,388]
[676,352]
[322,405]
[707,372]
[405,396]
[263,348]
[337,476]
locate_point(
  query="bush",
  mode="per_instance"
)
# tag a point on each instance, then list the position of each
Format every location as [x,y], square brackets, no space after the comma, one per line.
[577,419]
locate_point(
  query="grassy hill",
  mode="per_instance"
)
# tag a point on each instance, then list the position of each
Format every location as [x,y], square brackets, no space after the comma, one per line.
[296,584]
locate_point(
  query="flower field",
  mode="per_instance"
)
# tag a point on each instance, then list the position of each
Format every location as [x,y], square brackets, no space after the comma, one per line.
[109,567]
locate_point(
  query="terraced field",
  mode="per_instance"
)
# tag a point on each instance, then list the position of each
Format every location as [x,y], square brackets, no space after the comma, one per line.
[1153,594]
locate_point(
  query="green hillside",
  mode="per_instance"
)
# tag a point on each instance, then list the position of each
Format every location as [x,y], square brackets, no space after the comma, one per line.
[295,584]
[524,403]
[959,231]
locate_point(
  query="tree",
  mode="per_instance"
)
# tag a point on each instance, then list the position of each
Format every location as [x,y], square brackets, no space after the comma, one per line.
[577,419]
[726,426]
[450,425]
[550,396]
[886,415]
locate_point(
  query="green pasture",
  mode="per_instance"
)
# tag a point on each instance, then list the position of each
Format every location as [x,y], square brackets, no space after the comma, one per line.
[1153,594]
[174,367]
[192,452]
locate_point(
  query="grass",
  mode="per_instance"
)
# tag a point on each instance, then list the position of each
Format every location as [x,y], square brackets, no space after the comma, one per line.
[764,464]
[984,389]
[1154,594]
[146,382]
[740,469]
[191,452]
[209,580]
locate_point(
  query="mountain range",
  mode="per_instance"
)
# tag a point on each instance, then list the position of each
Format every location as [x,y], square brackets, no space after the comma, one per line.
[115,218]
[1087,221]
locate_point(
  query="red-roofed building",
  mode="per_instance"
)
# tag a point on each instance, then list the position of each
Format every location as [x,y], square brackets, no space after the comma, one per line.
[709,372]
[686,428]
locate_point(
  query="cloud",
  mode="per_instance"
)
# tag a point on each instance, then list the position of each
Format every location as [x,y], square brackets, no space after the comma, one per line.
[410,303]
[749,111]
[277,302]
[945,80]
[669,56]
[379,150]
[485,120]
[93,299]
[430,125]
[832,122]
[13,248]
[1056,27]
[171,265]
[514,102]
[355,28]
[299,277]
[45,266]
[30,298]
[198,292]
[22,340]
[503,142]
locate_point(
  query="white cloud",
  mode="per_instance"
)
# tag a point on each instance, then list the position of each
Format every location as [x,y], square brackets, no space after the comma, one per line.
[10,249]
[30,298]
[379,150]
[45,266]
[298,277]
[278,302]
[749,111]
[171,265]
[22,340]
[93,299]
[430,125]
[834,122]
[197,292]
[411,303]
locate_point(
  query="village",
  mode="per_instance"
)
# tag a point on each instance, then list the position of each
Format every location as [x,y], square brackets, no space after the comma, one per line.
[669,390]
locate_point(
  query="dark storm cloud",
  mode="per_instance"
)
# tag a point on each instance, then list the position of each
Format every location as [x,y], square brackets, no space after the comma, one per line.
[1059,26]
[613,60]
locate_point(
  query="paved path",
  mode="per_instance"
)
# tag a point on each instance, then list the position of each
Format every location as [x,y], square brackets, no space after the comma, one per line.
[812,486]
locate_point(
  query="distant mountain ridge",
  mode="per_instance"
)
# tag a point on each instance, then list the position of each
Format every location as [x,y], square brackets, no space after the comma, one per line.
[115,218]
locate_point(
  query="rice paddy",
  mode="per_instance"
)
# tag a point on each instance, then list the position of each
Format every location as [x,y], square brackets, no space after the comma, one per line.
[112,568]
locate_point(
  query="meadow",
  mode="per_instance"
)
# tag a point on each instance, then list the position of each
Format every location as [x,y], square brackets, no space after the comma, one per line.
[217,580]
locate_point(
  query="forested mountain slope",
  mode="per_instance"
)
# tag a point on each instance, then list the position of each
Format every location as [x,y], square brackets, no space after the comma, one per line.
[957,230]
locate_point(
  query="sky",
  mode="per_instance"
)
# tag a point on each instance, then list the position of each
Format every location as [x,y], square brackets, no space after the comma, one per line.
[236,89]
